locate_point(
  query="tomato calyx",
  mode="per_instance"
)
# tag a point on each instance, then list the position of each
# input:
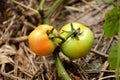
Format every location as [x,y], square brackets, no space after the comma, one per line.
[73,33]
[53,36]
[50,33]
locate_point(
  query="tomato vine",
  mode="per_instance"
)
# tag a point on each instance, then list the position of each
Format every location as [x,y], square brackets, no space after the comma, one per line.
[44,34]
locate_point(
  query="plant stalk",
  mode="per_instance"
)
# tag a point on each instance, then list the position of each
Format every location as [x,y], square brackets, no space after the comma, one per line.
[41,9]
[51,10]
[118,59]
[62,73]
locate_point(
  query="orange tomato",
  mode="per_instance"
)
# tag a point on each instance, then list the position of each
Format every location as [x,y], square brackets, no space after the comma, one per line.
[39,41]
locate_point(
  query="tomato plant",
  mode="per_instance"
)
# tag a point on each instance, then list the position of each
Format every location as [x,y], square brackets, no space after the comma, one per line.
[39,40]
[77,44]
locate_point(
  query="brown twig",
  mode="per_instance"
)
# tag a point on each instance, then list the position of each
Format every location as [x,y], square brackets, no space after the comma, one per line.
[99,53]
[19,39]
[93,6]
[104,67]
[27,7]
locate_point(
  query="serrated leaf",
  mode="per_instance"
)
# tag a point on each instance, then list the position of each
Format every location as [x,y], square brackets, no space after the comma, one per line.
[112,58]
[111,23]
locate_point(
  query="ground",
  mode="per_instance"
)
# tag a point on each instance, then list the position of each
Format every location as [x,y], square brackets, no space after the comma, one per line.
[19,17]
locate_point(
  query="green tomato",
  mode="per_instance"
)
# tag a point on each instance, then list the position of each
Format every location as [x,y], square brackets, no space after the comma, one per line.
[76,47]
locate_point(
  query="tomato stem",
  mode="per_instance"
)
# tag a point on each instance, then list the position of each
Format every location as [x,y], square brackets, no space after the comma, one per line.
[53,36]
[60,68]
[41,9]
[73,33]
[41,6]
[60,37]
[46,16]
[52,9]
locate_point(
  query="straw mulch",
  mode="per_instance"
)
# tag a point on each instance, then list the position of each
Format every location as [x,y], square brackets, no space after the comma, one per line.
[19,17]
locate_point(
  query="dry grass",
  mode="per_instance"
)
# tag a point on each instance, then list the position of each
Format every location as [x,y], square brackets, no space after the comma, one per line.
[19,17]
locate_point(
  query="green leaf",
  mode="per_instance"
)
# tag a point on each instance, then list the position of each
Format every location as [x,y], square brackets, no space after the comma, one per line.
[118,58]
[112,58]
[111,23]
[99,0]
[109,1]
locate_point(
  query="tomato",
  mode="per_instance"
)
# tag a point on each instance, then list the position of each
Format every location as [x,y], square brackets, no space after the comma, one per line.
[76,47]
[39,41]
